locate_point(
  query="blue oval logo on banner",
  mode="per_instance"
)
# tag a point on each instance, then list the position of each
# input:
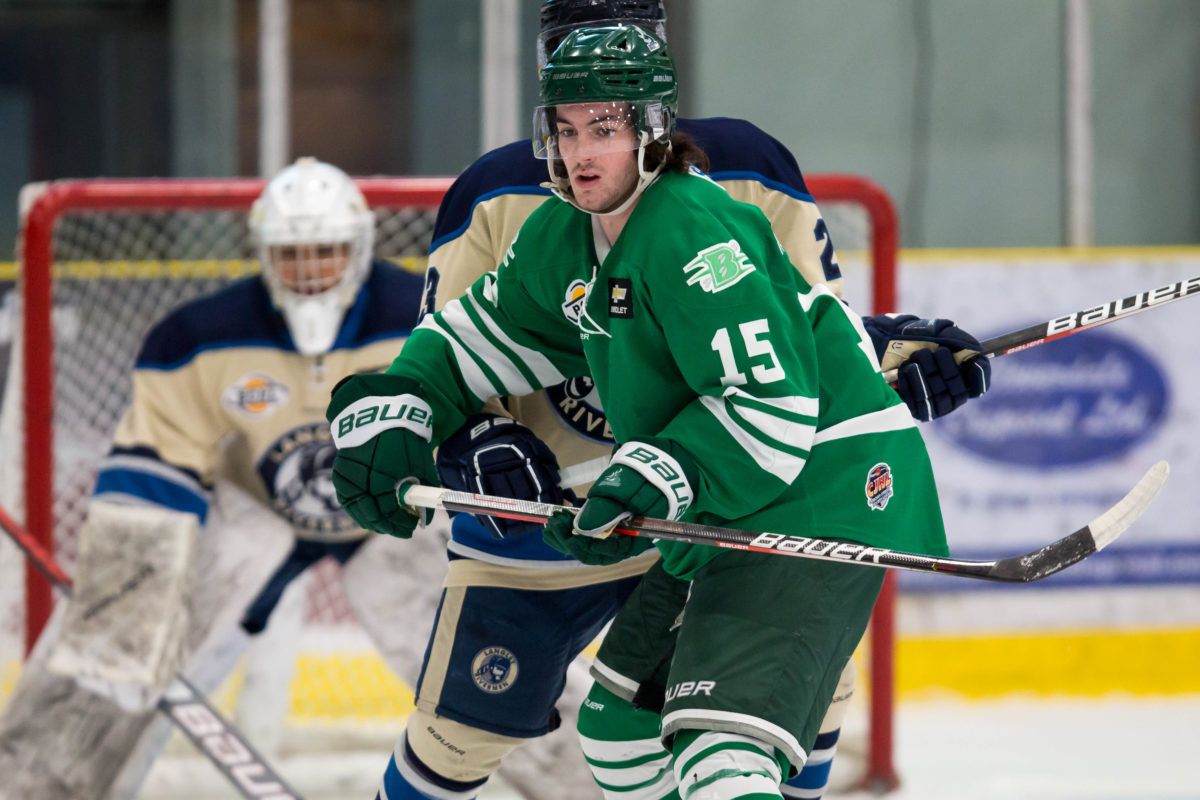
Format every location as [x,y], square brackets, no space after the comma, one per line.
[1075,401]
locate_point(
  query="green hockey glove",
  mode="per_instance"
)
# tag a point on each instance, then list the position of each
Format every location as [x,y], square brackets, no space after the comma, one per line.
[560,534]
[383,430]
[650,477]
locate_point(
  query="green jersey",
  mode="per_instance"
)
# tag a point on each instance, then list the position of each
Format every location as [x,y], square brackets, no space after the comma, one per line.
[696,328]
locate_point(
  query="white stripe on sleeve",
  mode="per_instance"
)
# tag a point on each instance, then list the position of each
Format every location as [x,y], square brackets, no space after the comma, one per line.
[541,367]
[454,314]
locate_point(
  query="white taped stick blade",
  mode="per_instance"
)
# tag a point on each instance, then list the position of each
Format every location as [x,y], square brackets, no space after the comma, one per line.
[124,627]
[1112,523]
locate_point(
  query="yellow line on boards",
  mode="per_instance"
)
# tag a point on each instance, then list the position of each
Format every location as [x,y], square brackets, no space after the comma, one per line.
[152,269]
[1081,663]
[1083,254]
[357,685]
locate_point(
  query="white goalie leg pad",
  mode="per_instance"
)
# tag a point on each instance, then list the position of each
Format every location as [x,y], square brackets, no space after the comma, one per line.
[394,587]
[836,713]
[58,740]
[240,547]
[726,766]
[124,629]
[269,667]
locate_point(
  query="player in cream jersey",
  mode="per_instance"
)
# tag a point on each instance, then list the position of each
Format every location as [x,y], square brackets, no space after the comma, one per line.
[224,456]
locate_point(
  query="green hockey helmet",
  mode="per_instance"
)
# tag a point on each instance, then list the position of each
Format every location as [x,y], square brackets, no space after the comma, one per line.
[623,70]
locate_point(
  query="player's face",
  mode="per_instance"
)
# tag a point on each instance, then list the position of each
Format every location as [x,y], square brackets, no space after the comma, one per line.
[598,143]
[309,269]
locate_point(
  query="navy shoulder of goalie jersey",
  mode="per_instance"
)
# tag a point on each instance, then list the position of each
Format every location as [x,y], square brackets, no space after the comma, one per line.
[241,315]
[737,150]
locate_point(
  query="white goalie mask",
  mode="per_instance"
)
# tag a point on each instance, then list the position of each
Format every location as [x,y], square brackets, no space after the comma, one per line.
[314,234]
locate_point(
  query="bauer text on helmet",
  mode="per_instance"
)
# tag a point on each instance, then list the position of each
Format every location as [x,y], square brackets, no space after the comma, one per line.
[314,234]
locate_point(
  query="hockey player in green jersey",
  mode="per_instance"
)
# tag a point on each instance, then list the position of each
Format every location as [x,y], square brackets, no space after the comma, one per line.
[739,395]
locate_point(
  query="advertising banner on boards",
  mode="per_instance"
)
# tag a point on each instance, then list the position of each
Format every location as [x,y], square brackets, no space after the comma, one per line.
[1069,426]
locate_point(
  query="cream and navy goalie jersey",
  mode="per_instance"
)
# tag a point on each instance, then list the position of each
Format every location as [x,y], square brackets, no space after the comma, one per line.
[696,328]
[219,389]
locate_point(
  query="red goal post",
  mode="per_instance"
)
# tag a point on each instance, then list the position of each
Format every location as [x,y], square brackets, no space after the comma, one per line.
[39,254]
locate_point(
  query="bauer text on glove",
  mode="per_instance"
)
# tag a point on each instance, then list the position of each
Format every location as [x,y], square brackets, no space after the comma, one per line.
[648,477]
[383,429]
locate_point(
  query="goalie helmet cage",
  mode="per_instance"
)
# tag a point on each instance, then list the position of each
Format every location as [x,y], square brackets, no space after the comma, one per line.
[156,243]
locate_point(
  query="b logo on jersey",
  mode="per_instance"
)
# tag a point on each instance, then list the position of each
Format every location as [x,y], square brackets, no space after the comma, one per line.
[718,267]
[255,394]
[297,471]
[494,669]
[879,486]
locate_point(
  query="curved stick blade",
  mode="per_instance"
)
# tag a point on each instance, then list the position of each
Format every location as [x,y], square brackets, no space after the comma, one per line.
[1112,523]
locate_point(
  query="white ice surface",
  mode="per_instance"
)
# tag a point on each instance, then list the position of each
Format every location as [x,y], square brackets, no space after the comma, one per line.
[1019,749]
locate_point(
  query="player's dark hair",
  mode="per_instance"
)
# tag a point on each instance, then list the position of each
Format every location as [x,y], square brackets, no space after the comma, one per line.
[683,155]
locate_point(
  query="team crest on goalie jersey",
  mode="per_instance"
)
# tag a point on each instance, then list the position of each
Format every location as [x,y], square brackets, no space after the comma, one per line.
[718,267]
[494,669]
[255,394]
[879,486]
[297,471]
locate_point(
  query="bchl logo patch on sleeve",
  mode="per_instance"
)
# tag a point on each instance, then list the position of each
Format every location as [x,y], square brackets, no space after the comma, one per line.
[879,487]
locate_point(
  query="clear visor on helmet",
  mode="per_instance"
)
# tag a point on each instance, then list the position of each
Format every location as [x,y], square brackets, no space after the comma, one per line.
[585,130]
[549,39]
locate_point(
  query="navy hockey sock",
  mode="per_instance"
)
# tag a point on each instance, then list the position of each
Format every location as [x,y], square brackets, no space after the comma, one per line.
[810,784]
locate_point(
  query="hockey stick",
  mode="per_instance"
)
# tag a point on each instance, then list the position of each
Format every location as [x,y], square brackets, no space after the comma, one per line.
[1024,568]
[1077,321]
[183,704]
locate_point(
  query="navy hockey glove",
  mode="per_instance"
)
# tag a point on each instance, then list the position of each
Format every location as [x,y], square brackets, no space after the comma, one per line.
[383,430]
[650,477]
[494,454]
[929,380]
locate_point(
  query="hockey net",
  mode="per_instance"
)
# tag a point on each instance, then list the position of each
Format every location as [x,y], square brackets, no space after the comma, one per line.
[102,261]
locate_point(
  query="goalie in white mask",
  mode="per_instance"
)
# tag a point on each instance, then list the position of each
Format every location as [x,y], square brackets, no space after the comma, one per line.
[215,495]
[314,234]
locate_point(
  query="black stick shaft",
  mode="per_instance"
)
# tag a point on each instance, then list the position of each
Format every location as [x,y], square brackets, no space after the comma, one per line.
[1024,568]
[1088,318]
[1077,321]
